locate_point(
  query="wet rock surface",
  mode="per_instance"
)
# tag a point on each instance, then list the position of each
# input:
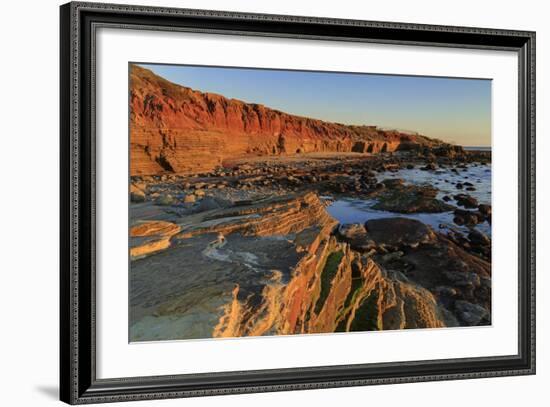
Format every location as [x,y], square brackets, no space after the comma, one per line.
[150,236]
[399,232]
[255,252]
[410,199]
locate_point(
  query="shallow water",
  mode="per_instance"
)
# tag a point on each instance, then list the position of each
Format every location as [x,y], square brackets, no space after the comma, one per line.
[445,180]
[351,210]
[477,148]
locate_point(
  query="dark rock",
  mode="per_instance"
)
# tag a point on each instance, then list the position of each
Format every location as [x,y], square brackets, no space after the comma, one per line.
[457,238]
[429,167]
[478,238]
[450,271]
[463,217]
[471,314]
[393,182]
[399,231]
[445,291]
[448,151]
[485,209]
[370,180]
[463,279]
[356,235]
[466,200]
[411,199]
[459,220]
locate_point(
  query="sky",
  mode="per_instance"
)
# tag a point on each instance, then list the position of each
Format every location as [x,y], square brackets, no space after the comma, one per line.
[451,109]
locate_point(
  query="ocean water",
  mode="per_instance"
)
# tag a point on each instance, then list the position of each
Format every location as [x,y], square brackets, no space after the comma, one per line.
[360,210]
[477,148]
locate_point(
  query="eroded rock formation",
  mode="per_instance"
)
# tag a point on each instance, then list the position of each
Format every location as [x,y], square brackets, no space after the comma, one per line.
[303,276]
[332,289]
[177,129]
[150,237]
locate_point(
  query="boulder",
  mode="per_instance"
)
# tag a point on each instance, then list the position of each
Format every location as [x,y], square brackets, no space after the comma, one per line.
[485,209]
[356,235]
[399,231]
[393,182]
[429,167]
[466,200]
[463,217]
[410,199]
[462,279]
[478,238]
[471,314]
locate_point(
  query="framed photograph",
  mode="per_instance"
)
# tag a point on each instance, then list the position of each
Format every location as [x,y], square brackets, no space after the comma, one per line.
[254,203]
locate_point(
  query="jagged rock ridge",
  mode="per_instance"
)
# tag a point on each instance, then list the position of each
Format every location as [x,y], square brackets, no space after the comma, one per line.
[197,278]
[180,130]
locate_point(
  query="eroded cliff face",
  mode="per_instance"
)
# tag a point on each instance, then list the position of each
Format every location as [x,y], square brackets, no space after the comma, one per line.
[177,129]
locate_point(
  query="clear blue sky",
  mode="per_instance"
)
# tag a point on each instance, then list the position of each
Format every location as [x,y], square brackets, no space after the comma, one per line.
[454,110]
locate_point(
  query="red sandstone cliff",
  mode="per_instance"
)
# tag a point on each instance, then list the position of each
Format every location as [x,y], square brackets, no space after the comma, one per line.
[177,129]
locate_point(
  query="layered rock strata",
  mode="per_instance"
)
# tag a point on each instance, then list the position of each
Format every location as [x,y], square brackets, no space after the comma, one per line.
[180,130]
[281,266]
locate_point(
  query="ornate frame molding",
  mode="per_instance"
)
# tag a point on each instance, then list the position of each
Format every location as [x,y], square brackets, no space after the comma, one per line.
[79,21]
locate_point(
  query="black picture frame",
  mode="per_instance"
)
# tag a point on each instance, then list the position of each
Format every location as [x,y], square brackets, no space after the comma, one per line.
[78,382]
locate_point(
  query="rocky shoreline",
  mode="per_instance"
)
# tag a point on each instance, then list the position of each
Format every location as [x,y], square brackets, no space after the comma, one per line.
[250,248]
